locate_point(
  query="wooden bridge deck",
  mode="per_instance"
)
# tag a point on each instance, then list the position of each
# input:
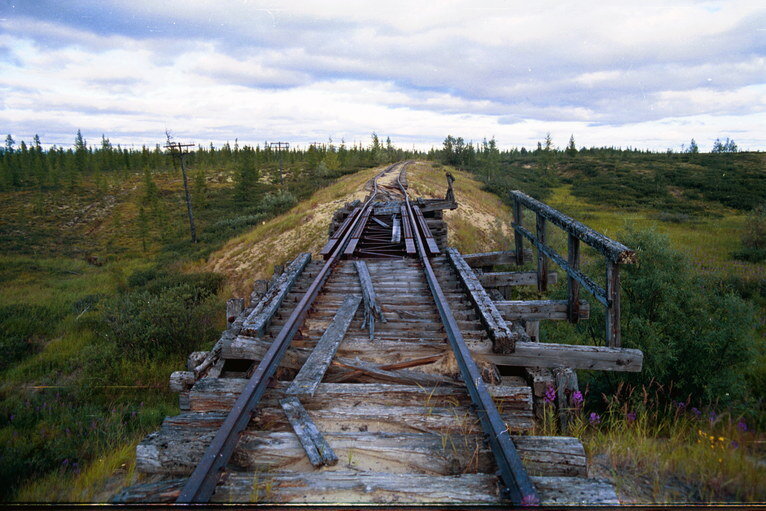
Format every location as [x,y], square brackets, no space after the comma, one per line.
[394,411]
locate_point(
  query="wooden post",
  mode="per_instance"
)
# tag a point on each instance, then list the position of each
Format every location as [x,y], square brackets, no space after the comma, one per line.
[518,239]
[542,261]
[573,287]
[613,311]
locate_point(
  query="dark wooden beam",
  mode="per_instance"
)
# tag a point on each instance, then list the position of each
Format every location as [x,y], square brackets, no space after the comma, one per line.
[612,250]
[535,310]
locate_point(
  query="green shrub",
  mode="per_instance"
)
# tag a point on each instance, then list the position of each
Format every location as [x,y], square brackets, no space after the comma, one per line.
[693,334]
[20,324]
[754,237]
[170,315]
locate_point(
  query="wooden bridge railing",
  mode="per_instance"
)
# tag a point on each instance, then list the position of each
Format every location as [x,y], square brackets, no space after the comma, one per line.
[614,252]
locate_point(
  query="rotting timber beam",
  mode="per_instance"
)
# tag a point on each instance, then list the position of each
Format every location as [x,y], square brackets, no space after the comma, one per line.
[513,278]
[535,310]
[612,250]
[259,318]
[541,354]
[502,337]
[492,258]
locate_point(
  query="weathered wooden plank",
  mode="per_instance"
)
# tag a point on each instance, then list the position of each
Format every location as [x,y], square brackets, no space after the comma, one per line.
[219,394]
[518,219]
[513,278]
[377,488]
[426,231]
[396,376]
[316,447]
[371,306]
[292,409]
[502,337]
[338,234]
[613,310]
[409,243]
[542,261]
[573,286]
[313,370]
[540,354]
[612,250]
[396,229]
[480,260]
[566,386]
[181,381]
[446,454]
[535,310]
[259,318]
[234,307]
[389,417]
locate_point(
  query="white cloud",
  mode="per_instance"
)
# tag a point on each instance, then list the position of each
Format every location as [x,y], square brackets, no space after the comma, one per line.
[649,75]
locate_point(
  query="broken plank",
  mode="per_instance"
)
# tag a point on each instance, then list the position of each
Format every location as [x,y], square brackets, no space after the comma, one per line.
[259,318]
[502,337]
[317,449]
[513,278]
[541,354]
[535,310]
[371,306]
[396,230]
[313,370]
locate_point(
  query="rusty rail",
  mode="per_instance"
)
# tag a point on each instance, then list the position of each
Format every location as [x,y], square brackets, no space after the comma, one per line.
[518,486]
[614,252]
[201,485]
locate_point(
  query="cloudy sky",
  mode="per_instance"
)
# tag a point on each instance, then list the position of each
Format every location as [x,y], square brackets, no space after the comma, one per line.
[650,74]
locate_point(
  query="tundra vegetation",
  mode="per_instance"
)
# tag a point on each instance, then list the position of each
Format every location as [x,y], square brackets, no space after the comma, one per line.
[99,304]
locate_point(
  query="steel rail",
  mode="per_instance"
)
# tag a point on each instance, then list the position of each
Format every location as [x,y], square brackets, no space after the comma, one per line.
[518,486]
[201,484]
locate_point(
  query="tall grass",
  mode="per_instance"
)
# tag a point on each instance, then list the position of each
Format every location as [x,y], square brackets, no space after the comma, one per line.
[658,450]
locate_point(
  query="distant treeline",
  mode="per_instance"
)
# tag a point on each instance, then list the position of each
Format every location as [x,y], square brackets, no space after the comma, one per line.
[25,165]
[679,182]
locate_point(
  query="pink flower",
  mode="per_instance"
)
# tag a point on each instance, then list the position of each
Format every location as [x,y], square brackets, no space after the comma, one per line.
[594,418]
[577,398]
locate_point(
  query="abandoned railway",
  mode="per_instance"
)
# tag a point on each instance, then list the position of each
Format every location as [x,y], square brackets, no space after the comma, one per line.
[392,370]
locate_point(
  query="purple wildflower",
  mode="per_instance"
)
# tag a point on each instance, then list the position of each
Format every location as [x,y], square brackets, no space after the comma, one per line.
[530,500]
[550,395]
[681,405]
[742,426]
[734,444]
[712,417]
[577,398]
[65,462]
[595,418]
[12,417]
[631,416]
[696,411]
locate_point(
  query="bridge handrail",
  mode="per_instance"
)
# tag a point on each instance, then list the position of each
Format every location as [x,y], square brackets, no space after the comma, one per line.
[614,252]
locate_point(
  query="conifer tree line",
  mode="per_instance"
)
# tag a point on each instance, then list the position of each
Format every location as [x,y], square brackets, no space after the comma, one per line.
[29,165]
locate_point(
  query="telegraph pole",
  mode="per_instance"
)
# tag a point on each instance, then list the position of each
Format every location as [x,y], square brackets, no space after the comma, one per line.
[280,146]
[177,148]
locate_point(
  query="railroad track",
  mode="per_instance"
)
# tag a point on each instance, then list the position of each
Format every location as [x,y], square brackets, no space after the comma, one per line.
[354,379]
